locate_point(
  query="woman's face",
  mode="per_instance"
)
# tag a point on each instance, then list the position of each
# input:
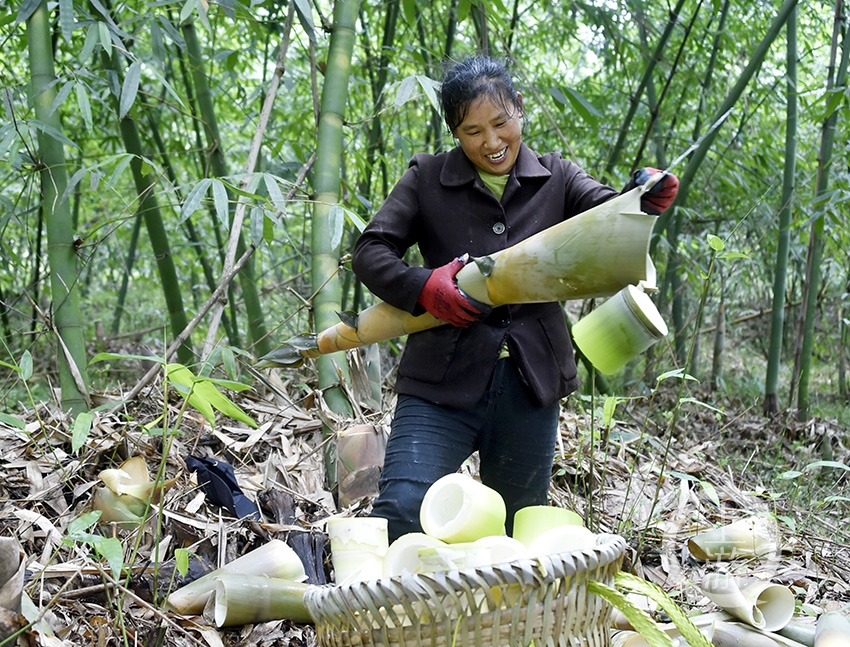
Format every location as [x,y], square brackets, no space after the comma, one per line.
[490,135]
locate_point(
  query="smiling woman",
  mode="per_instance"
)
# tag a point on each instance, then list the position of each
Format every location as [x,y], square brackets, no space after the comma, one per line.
[492,380]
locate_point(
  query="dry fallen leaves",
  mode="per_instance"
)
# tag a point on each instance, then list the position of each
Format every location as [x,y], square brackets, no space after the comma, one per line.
[632,479]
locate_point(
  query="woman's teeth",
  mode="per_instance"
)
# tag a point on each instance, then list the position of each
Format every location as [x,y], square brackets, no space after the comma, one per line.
[498,156]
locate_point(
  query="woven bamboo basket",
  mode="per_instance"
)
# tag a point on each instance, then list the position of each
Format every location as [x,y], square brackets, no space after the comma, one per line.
[541,602]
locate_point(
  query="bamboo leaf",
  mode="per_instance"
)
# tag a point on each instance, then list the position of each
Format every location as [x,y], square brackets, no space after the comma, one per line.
[111,550]
[833,103]
[193,200]
[336,222]
[710,492]
[78,527]
[579,104]
[257,226]
[715,242]
[80,430]
[179,375]
[47,129]
[676,372]
[84,105]
[305,17]
[207,389]
[12,421]
[123,163]
[92,36]
[181,561]
[833,464]
[26,366]
[130,88]
[220,199]
[692,635]
[355,220]
[608,410]
[275,193]
[638,618]
[703,404]
[27,9]
[105,37]
[268,227]
[60,97]
[429,86]
[405,90]
[408,7]
[187,10]
[67,22]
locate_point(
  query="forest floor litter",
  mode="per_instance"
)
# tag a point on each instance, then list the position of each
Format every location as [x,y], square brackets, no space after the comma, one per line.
[633,477]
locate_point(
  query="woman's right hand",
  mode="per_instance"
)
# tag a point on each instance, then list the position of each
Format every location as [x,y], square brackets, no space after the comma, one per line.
[441,297]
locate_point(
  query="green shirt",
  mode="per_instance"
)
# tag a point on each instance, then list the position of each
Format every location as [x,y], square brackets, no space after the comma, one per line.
[496,183]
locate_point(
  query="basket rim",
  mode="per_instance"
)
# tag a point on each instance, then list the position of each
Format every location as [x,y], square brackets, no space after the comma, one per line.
[543,569]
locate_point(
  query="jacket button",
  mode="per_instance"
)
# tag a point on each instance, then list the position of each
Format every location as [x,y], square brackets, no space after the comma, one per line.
[499,228]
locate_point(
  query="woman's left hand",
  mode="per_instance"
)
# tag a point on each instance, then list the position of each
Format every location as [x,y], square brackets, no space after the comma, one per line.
[661,194]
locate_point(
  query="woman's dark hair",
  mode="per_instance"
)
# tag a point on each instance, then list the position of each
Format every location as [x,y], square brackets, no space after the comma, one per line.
[471,78]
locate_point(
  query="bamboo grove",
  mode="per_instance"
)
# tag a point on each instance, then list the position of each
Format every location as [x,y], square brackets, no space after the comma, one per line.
[187,178]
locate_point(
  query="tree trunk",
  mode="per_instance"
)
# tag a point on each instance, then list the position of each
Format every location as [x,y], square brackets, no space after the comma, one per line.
[61,253]
[327,217]
[835,80]
[786,207]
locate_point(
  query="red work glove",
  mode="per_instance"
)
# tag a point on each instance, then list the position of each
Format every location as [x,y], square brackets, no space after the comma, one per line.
[441,297]
[660,195]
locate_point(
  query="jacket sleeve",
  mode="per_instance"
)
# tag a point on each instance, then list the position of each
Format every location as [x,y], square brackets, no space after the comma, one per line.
[583,191]
[378,257]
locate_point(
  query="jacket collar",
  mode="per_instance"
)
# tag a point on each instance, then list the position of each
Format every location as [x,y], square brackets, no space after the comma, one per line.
[458,170]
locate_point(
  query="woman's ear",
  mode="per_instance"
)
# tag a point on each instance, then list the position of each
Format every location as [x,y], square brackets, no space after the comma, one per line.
[520,104]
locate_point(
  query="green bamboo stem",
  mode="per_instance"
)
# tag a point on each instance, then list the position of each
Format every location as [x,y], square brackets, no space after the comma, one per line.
[836,79]
[777,323]
[61,252]
[729,102]
[326,230]
[250,294]
[149,208]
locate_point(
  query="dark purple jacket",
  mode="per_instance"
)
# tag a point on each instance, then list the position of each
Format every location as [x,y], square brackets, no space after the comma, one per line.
[441,205]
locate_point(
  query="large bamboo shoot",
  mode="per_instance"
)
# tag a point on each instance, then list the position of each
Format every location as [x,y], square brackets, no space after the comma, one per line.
[595,254]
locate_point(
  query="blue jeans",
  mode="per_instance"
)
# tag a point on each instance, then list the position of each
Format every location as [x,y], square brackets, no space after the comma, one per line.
[515,440]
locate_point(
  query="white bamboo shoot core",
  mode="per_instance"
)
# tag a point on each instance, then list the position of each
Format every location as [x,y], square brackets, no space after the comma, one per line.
[457,508]
[358,547]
